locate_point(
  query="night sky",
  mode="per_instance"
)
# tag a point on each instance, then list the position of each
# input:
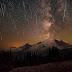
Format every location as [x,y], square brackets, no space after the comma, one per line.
[32,21]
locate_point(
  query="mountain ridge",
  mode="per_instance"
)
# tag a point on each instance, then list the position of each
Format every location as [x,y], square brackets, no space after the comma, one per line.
[48,43]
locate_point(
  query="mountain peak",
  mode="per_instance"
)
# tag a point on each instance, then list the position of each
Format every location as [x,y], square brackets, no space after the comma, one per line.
[62,44]
[49,43]
[26,44]
[25,47]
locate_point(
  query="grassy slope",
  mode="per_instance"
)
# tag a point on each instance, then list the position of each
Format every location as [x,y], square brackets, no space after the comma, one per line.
[65,66]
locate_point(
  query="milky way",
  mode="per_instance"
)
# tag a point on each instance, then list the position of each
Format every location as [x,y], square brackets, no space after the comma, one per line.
[31,21]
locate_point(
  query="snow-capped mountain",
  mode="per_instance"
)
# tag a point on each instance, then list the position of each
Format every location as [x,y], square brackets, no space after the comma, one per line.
[17,49]
[40,48]
[63,44]
[43,47]
[25,47]
[49,43]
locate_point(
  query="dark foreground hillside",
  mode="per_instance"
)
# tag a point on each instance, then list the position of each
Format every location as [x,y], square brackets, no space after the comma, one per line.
[54,61]
[65,66]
